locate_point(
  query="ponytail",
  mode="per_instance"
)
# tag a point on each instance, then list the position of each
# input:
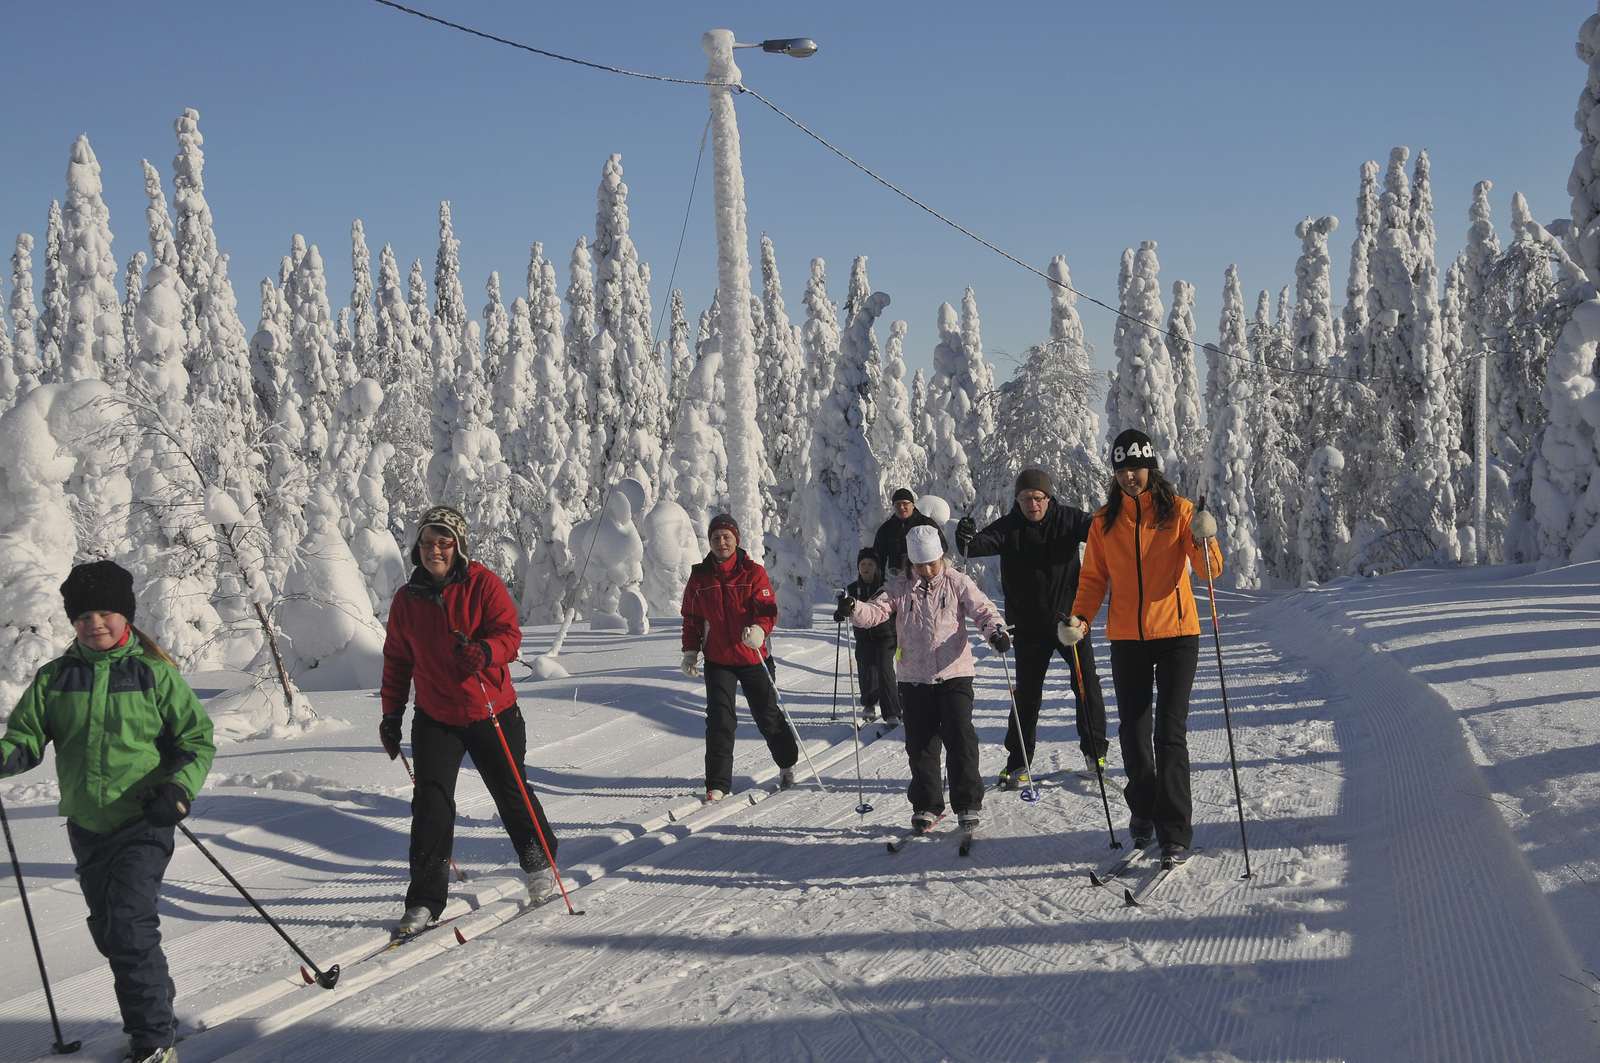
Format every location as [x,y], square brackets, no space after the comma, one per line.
[150,647]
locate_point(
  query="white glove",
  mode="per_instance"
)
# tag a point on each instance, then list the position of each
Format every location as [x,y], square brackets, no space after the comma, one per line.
[1071,630]
[754,637]
[1202,526]
[691,662]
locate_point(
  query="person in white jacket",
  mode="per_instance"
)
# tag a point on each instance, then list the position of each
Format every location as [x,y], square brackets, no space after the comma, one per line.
[930,608]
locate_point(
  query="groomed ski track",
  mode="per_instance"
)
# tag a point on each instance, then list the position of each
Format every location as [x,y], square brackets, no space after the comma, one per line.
[1391,915]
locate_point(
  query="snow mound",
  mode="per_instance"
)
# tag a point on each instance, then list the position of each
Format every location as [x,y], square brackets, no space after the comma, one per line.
[298,781]
[546,667]
[258,711]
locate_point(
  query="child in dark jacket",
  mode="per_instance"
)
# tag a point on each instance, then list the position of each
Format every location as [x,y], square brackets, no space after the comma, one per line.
[875,646]
[133,746]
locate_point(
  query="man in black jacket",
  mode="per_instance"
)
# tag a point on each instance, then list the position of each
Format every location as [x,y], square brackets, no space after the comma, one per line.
[1038,547]
[890,542]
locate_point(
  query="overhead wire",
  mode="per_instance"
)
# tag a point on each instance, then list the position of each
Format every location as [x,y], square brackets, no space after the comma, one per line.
[745,89]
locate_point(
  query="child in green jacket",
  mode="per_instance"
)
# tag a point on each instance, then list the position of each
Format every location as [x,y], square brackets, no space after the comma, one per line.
[133,746]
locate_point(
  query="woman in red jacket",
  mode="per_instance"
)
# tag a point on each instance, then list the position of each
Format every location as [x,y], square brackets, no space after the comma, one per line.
[457,680]
[1142,546]
[728,612]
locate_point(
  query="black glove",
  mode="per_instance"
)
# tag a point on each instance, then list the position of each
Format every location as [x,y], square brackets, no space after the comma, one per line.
[389,733]
[471,657]
[165,805]
[1000,640]
[847,605]
[965,530]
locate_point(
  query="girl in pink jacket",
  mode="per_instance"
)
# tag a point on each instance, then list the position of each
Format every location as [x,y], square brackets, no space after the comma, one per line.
[930,610]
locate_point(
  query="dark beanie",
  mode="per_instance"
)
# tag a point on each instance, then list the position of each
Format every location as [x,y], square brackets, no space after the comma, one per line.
[448,520]
[867,553]
[99,587]
[1133,450]
[724,520]
[904,495]
[1033,480]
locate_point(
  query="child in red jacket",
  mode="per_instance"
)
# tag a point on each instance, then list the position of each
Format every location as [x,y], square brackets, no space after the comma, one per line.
[728,612]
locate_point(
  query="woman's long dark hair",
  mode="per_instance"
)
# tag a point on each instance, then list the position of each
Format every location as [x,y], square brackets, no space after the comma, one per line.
[1162,493]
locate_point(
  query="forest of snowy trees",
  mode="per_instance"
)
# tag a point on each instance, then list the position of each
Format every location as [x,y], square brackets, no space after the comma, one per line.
[261,483]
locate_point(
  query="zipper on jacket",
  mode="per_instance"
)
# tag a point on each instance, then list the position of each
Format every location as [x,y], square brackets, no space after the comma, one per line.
[1138,561]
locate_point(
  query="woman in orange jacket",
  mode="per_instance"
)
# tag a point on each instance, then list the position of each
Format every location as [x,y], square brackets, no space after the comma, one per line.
[1140,552]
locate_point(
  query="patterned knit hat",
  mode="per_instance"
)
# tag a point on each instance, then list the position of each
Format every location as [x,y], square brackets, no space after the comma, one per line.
[446,520]
[723,520]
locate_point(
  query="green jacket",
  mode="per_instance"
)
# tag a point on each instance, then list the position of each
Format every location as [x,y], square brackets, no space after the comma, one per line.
[121,722]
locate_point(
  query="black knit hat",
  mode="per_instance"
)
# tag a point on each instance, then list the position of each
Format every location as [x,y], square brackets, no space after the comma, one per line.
[448,520]
[905,494]
[1133,450]
[724,520]
[99,586]
[867,553]
[1033,480]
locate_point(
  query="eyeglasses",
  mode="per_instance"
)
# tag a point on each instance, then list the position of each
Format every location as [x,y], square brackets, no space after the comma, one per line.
[443,546]
[1033,500]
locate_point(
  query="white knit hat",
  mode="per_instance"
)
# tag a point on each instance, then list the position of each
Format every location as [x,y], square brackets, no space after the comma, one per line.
[922,544]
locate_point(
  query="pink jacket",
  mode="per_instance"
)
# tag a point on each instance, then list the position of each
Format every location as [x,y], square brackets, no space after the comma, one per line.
[930,619]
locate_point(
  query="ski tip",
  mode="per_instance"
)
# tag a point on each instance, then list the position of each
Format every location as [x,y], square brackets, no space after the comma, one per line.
[1096,879]
[1127,896]
[460,937]
[307,975]
[59,1049]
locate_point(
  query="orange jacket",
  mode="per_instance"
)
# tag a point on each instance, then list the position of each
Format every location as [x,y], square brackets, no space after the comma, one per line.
[1145,567]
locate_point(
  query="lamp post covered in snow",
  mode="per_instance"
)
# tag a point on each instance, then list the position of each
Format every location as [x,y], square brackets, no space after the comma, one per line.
[741,434]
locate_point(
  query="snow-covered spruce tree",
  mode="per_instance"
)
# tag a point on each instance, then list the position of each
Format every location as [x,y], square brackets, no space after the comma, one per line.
[556,485]
[24,316]
[1520,338]
[91,340]
[904,464]
[172,547]
[363,323]
[843,498]
[1143,388]
[680,357]
[8,368]
[163,251]
[950,476]
[1566,508]
[820,335]
[42,440]
[1275,479]
[1044,419]
[495,367]
[780,390]
[698,461]
[449,299]
[227,422]
[1321,538]
[1315,353]
[51,326]
[193,233]
[313,361]
[132,288]
[578,339]
[1477,271]
[857,292]
[1355,314]
[355,473]
[406,380]
[1231,493]
[1189,473]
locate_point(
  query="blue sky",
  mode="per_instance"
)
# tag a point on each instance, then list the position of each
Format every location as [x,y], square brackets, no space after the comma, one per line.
[1048,128]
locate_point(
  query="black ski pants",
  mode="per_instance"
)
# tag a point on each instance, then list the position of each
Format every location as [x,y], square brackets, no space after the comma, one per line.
[1155,746]
[940,714]
[875,662]
[722,722]
[1033,660]
[120,874]
[436,752]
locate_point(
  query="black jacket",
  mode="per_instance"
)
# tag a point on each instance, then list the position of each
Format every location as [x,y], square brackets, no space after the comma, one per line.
[1038,565]
[890,542]
[862,591]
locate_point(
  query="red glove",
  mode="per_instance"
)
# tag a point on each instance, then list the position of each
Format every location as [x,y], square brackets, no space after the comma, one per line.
[471,657]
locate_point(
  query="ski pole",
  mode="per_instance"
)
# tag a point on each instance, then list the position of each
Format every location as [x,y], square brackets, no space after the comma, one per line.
[863,808]
[413,776]
[516,771]
[1222,679]
[838,637]
[60,1048]
[1099,769]
[326,979]
[1031,792]
[796,732]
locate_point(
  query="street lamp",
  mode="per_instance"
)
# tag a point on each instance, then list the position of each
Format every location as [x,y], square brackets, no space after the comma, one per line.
[745,447]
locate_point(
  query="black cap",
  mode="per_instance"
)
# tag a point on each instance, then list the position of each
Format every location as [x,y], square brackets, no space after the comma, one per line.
[1033,480]
[99,586]
[867,553]
[905,494]
[1133,450]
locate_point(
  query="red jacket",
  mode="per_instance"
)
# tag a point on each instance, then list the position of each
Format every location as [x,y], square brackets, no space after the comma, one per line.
[720,601]
[418,648]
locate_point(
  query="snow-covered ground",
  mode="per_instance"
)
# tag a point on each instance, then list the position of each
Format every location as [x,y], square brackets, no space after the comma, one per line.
[1417,760]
